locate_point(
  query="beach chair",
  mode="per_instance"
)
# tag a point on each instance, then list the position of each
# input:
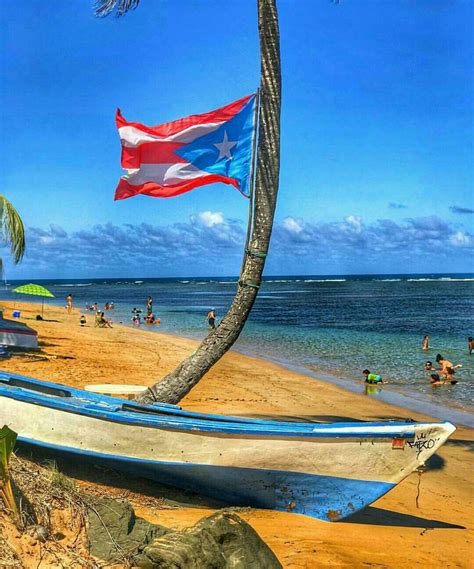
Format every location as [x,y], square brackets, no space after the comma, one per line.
[99,323]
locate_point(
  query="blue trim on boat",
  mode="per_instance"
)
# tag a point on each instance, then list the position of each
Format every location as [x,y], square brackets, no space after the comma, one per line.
[116,410]
[328,498]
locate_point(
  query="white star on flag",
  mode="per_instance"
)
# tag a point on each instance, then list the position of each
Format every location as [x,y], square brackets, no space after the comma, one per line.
[225,147]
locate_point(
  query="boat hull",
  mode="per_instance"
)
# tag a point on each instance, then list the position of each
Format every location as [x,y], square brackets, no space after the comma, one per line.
[17,335]
[324,471]
[329,498]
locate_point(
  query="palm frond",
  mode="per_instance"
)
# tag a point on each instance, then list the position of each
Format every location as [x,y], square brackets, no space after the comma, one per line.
[103,8]
[12,229]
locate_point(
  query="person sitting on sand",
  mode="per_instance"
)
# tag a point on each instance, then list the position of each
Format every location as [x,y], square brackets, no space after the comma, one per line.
[104,322]
[372,377]
[101,321]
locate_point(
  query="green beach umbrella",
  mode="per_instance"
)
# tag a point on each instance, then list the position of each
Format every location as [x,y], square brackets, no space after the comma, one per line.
[35,290]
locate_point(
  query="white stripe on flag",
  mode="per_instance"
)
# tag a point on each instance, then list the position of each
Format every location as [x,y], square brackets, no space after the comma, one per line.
[132,136]
[163,174]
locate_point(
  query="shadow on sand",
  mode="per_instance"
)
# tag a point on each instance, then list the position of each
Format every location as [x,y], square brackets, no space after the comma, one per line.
[87,470]
[468,445]
[380,517]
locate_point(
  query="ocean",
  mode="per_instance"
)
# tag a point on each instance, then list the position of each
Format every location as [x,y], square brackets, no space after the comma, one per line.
[327,326]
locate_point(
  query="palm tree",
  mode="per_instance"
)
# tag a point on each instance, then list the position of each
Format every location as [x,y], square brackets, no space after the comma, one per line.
[11,230]
[173,387]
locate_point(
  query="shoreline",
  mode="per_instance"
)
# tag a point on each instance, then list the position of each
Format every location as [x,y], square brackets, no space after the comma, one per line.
[440,501]
[441,412]
[413,403]
[415,394]
[346,385]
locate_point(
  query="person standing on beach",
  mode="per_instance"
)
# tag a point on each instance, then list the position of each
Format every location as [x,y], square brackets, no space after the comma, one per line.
[149,305]
[69,303]
[426,342]
[211,319]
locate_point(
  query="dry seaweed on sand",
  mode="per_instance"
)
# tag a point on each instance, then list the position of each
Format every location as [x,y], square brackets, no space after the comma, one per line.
[8,556]
[52,522]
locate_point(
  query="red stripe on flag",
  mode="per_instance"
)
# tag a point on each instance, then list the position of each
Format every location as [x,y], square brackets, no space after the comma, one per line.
[151,153]
[167,129]
[125,190]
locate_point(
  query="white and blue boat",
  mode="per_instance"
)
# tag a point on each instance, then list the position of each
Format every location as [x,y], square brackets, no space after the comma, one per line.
[327,471]
[17,334]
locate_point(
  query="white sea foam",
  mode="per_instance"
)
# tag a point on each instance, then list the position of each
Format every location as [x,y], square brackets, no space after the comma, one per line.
[73,285]
[441,279]
[325,280]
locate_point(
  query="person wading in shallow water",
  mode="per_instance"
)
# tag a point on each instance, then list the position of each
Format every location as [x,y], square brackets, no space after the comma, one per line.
[149,305]
[426,343]
[447,368]
[211,319]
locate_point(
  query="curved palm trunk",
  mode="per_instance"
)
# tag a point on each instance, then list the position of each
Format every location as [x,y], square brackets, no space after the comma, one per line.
[180,381]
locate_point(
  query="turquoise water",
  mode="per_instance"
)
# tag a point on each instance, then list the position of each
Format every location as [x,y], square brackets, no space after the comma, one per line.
[337,325]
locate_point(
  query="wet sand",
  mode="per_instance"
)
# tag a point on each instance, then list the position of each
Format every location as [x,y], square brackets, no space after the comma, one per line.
[425,521]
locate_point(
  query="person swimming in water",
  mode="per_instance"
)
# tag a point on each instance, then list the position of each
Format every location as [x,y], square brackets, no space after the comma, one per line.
[436,380]
[442,375]
[372,377]
[429,366]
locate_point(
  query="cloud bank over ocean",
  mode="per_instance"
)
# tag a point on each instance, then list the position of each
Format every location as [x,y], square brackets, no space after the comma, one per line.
[209,244]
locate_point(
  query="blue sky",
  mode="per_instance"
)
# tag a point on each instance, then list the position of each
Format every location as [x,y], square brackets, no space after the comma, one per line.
[377,139]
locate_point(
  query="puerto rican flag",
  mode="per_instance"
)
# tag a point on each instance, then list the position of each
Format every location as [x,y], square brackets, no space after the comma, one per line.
[172,158]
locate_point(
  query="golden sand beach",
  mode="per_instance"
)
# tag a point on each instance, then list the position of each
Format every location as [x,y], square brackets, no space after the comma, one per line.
[426,521]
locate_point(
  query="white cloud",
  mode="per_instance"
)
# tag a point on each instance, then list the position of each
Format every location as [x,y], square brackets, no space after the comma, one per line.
[210,244]
[355,223]
[211,218]
[293,225]
[460,239]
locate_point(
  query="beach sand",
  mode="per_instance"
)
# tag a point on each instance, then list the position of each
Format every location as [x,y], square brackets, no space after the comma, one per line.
[426,521]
